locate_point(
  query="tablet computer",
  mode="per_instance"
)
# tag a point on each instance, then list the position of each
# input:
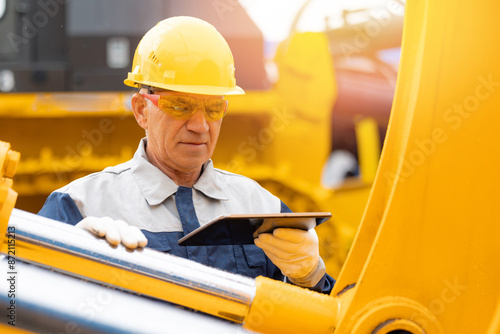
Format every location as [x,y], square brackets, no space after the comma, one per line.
[241,229]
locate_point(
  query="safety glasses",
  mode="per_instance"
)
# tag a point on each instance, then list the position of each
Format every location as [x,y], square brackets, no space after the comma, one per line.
[183,107]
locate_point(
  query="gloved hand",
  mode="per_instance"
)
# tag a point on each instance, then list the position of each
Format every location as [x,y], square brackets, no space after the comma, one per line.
[294,251]
[115,231]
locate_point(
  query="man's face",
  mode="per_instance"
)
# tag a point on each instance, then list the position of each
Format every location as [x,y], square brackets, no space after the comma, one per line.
[180,144]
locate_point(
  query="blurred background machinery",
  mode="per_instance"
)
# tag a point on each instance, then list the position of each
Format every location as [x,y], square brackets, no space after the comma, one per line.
[308,129]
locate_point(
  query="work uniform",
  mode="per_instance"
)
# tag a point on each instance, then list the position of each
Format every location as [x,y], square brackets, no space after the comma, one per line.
[140,194]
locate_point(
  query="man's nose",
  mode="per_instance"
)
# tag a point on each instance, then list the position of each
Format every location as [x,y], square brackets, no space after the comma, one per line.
[197,122]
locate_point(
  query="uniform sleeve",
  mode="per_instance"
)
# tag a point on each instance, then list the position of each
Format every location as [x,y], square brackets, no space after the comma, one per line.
[284,208]
[61,207]
[325,284]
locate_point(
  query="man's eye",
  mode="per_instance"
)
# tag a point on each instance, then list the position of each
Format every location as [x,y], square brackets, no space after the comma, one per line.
[180,108]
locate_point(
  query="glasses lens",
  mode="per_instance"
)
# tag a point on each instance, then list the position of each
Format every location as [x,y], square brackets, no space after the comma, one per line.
[183,107]
[178,106]
[215,109]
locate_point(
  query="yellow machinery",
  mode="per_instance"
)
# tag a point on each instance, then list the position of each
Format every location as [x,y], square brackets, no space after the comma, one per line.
[9,160]
[425,256]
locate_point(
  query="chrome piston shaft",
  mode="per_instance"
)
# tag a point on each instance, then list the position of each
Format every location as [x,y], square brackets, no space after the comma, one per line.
[64,248]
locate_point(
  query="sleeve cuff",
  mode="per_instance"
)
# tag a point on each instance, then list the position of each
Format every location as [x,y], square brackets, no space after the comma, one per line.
[313,278]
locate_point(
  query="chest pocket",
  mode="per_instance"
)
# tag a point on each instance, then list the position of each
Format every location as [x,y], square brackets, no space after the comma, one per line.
[253,261]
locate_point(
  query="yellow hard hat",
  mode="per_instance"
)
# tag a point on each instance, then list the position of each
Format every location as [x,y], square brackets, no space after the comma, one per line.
[184,54]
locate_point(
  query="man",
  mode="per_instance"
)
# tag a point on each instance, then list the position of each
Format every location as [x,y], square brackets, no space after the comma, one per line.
[183,68]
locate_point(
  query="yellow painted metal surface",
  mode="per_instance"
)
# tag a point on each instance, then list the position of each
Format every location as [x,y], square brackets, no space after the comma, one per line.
[9,160]
[427,249]
[495,321]
[64,136]
[7,329]
[284,308]
[50,105]
[368,148]
[129,280]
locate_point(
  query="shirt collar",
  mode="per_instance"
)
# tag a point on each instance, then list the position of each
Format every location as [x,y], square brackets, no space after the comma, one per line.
[209,184]
[156,187]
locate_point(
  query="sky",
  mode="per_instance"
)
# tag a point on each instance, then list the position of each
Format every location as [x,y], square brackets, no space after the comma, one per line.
[274,17]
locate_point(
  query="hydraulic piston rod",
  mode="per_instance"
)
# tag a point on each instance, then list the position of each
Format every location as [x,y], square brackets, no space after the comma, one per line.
[62,247]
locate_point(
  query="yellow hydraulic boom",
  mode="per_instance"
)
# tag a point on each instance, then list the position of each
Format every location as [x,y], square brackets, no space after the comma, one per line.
[425,256]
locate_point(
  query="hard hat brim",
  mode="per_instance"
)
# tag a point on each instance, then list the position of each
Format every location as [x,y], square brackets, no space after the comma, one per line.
[203,90]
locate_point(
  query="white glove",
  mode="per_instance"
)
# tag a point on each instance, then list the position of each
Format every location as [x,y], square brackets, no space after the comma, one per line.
[115,231]
[295,252]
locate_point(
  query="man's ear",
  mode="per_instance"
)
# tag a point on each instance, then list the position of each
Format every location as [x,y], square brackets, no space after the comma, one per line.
[138,103]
